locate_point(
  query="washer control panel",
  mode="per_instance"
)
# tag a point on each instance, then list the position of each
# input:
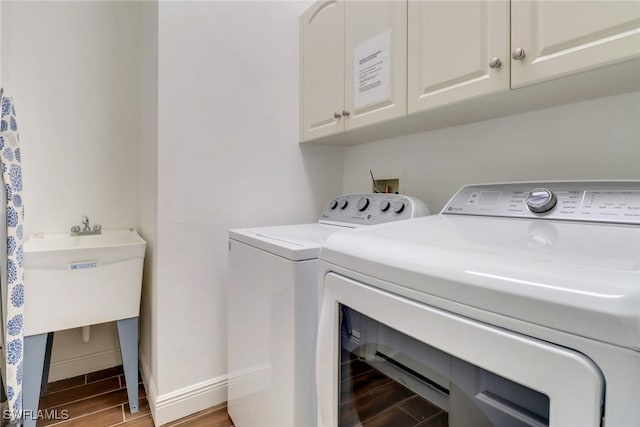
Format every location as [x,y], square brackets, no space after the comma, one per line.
[371,208]
[600,201]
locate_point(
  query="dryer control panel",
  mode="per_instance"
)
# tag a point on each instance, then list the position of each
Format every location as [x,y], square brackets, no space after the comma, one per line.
[371,208]
[597,201]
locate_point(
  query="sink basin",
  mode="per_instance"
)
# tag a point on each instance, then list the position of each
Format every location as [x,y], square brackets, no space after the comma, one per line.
[73,281]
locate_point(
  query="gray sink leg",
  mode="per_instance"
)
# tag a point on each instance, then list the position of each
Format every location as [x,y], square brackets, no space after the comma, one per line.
[34,351]
[47,364]
[128,333]
[3,395]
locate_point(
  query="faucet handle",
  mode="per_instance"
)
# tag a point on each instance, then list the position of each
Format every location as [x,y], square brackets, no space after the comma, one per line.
[75,228]
[97,227]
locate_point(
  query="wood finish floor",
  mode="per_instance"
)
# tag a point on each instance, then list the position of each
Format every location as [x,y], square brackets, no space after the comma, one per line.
[99,399]
[369,398]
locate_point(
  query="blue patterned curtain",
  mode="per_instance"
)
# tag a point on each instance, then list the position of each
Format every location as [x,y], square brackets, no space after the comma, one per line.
[13,337]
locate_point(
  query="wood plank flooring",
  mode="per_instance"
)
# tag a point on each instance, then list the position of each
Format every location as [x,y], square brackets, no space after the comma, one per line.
[99,399]
[369,398]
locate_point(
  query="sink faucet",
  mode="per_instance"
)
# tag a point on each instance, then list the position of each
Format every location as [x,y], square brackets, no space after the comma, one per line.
[86,229]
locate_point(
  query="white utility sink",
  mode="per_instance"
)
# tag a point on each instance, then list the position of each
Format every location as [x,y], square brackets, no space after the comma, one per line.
[74,281]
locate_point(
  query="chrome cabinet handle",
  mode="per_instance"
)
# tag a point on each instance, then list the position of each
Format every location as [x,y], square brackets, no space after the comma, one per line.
[345,113]
[495,62]
[336,115]
[518,54]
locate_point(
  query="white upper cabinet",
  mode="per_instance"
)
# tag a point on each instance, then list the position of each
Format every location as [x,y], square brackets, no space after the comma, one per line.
[564,37]
[375,69]
[457,50]
[375,61]
[354,65]
[323,69]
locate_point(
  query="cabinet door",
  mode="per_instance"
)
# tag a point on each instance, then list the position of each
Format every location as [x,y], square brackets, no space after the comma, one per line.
[451,44]
[565,37]
[375,61]
[322,69]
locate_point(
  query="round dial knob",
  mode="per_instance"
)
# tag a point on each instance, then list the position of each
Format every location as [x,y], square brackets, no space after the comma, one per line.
[333,204]
[398,207]
[344,204]
[363,203]
[385,205]
[540,200]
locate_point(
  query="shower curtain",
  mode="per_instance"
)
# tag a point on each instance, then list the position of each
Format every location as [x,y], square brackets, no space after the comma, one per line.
[13,330]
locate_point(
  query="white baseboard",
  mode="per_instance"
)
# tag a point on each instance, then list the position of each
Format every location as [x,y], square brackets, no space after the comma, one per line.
[149,386]
[182,402]
[84,363]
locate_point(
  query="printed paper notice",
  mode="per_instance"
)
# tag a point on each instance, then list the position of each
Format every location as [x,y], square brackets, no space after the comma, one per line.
[372,71]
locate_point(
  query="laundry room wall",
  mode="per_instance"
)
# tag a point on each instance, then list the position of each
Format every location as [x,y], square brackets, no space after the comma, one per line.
[228,156]
[72,70]
[597,139]
[148,183]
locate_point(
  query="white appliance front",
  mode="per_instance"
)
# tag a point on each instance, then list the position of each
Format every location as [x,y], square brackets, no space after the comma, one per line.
[534,285]
[273,306]
[571,381]
[270,369]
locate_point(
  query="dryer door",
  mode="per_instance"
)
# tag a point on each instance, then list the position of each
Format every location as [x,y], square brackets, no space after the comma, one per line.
[383,358]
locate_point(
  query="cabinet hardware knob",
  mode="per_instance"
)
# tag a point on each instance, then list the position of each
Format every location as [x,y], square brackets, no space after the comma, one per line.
[495,62]
[336,115]
[518,54]
[345,113]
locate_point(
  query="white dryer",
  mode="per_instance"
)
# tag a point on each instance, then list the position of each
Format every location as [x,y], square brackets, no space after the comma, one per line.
[273,308]
[517,305]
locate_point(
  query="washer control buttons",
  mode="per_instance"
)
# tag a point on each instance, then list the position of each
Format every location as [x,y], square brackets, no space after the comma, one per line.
[384,205]
[540,200]
[363,203]
[398,207]
[333,204]
[344,203]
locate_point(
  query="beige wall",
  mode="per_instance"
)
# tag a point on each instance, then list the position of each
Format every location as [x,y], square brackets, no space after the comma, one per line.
[72,68]
[597,139]
[228,156]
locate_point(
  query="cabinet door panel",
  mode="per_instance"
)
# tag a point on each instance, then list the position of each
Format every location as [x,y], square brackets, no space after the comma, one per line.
[377,92]
[322,69]
[565,37]
[450,46]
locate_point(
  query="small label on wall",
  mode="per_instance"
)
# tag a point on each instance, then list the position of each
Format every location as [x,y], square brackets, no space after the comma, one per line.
[372,71]
[83,265]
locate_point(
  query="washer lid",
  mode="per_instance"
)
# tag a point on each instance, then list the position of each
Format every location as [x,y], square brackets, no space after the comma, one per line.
[582,278]
[293,242]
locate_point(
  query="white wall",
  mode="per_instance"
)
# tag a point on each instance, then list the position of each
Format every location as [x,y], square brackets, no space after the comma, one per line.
[148,179]
[597,139]
[72,69]
[228,156]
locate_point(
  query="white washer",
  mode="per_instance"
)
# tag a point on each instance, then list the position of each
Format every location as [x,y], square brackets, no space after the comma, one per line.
[518,305]
[273,308]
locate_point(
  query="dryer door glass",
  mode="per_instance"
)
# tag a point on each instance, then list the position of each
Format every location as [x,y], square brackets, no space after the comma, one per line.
[389,378]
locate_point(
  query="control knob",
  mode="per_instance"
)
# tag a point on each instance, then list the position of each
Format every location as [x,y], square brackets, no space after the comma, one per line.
[540,200]
[384,205]
[363,203]
[344,203]
[398,207]
[333,204]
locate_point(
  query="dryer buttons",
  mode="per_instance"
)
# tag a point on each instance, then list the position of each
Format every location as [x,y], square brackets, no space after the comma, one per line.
[363,203]
[398,207]
[540,200]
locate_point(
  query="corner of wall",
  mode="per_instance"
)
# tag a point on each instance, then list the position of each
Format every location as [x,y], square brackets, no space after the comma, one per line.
[183,402]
